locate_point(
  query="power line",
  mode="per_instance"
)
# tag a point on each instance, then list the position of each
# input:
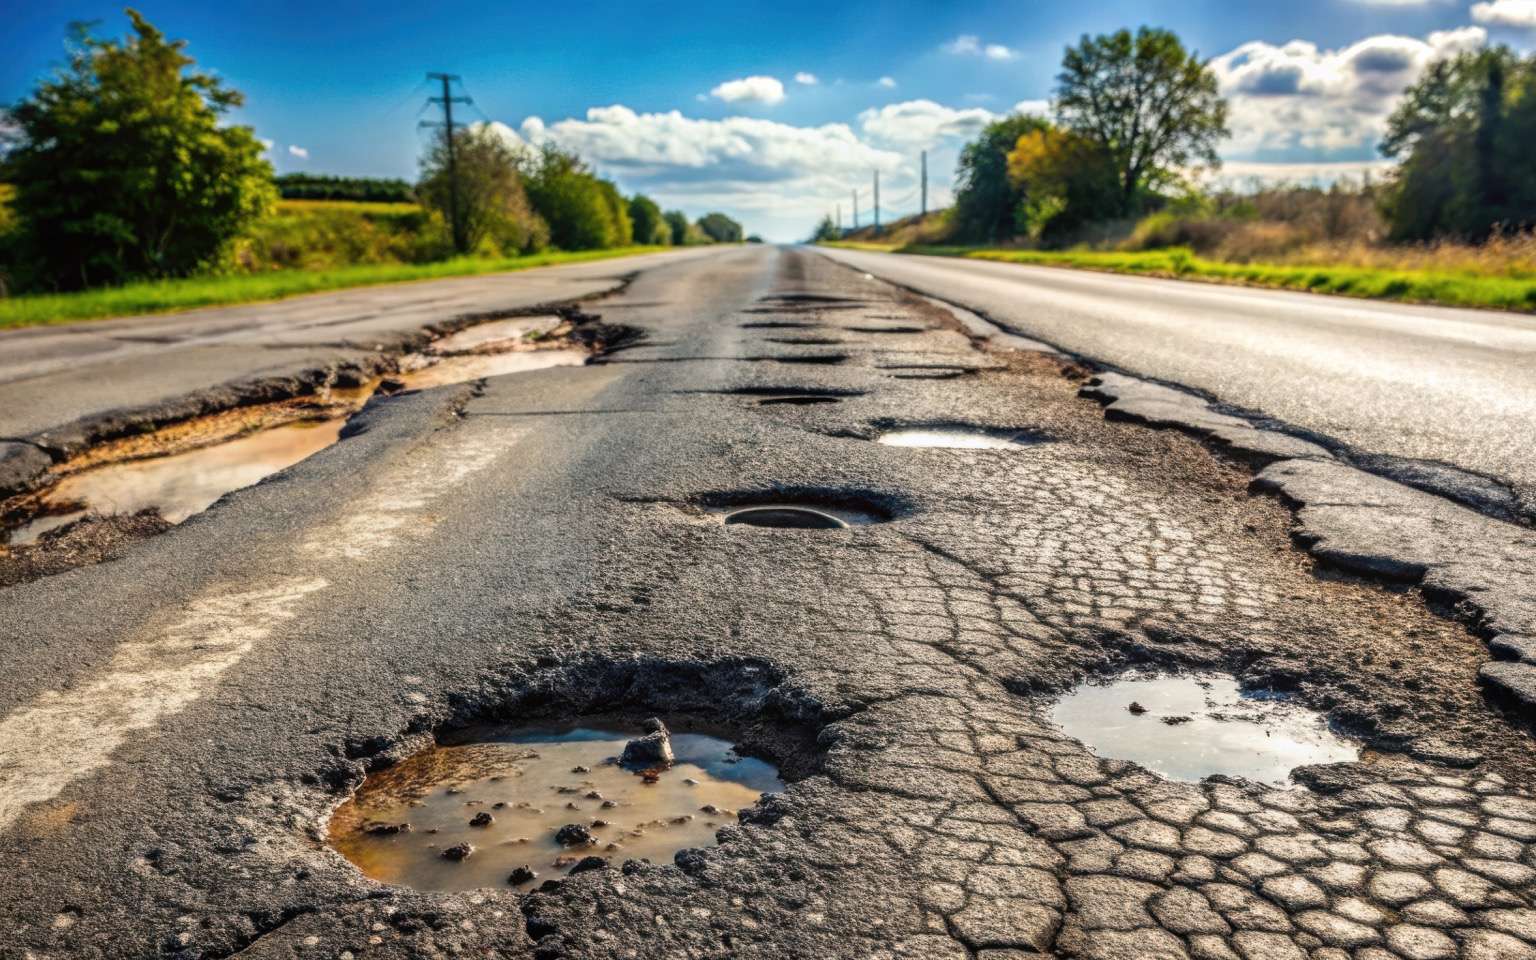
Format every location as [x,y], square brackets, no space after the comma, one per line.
[447,100]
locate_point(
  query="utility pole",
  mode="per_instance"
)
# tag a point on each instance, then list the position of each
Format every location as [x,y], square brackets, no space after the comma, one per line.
[877,201]
[455,213]
[925,183]
[839,218]
[855,209]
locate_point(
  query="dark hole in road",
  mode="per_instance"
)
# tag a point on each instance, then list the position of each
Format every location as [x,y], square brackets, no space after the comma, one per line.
[955,436]
[892,329]
[805,341]
[817,359]
[799,401]
[779,325]
[497,806]
[805,298]
[786,517]
[1192,726]
[928,371]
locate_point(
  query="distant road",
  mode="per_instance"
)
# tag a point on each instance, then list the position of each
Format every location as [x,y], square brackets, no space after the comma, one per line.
[51,376]
[1435,384]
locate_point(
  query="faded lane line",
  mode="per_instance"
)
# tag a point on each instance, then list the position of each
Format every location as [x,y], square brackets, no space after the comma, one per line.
[64,736]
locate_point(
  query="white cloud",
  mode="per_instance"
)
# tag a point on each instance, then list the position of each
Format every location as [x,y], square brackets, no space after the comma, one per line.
[806,79]
[919,124]
[1298,96]
[970,45]
[1520,14]
[766,90]
[1240,174]
[297,151]
[1034,108]
[887,82]
[266,145]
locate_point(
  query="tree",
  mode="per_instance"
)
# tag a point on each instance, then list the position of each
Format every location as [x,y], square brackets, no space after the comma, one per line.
[825,230]
[124,167]
[494,213]
[1062,179]
[622,230]
[1150,105]
[684,231]
[721,228]
[1463,135]
[650,226]
[571,200]
[985,199]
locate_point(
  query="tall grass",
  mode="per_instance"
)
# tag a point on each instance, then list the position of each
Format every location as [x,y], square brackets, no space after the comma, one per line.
[169,295]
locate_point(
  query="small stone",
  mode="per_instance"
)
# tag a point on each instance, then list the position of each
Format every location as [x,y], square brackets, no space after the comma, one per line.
[459,851]
[589,863]
[482,819]
[652,750]
[574,835]
[581,769]
[1175,721]
[522,875]
[1136,708]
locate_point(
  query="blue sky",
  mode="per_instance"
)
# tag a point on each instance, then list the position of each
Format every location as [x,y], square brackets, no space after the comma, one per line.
[646,91]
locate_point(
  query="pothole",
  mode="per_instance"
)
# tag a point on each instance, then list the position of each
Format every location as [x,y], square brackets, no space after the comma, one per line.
[802,400]
[787,517]
[462,368]
[928,371]
[962,438]
[802,509]
[805,341]
[1192,726]
[498,807]
[817,359]
[497,333]
[886,329]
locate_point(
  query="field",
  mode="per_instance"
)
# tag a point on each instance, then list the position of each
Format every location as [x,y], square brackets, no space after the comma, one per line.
[170,295]
[1459,281]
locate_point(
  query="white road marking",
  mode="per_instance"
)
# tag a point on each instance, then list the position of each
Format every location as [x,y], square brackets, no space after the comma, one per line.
[66,735]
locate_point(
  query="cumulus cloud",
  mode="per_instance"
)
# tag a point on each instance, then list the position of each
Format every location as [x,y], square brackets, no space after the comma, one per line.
[1298,96]
[970,45]
[765,90]
[807,79]
[1519,14]
[1240,174]
[919,124]
[1034,108]
[888,83]
[297,151]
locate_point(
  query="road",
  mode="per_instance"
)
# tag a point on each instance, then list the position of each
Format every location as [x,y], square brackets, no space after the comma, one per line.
[1431,384]
[177,725]
[53,377]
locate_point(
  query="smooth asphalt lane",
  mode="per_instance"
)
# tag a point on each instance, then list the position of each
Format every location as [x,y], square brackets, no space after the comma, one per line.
[1432,384]
[177,725]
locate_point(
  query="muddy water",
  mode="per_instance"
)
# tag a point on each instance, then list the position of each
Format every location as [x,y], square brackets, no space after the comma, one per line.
[1192,726]
[531,782]
[494,334]
[462,369]
[959,438]
[182,484]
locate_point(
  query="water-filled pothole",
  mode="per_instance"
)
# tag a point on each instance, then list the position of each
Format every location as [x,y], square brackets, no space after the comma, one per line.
[962,438]
[512,806]
[802,400]
[1192,726]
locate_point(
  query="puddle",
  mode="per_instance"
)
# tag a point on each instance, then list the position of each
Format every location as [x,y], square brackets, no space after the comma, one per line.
[962,438]
[792,515]
[531,783]
[496,333]
[182,484]
[464,368]
[805,341]
[893,329]
[1188,727]
[801,401]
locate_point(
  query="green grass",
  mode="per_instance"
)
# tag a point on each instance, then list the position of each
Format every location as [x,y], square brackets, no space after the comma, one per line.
[171,295]
[1447,288]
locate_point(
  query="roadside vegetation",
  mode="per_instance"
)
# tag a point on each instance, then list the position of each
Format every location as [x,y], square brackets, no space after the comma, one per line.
[1102,185]
[177,208]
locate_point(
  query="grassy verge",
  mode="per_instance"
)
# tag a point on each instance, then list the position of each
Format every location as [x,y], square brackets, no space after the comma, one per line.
[1444,287]
[170,295]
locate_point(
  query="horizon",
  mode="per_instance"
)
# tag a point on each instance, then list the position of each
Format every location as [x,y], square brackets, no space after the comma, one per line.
[775,117]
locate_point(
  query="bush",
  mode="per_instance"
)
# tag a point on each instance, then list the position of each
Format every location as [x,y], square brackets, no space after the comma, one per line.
[571,200]
[721,228]
[308,186]
[494,215]
[650,226]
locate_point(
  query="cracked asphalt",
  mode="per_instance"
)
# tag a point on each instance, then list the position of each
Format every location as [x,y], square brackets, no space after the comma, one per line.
[176,725]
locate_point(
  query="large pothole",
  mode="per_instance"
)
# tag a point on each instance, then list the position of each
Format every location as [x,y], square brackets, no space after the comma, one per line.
[1192,726]
[493,807]
[962,437]
[799,509]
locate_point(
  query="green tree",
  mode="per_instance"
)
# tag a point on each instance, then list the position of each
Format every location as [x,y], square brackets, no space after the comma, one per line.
[1151,106]
[493,209]
[622,231]
[825,230]
[721,228]
[124,168]
[1063,180]
[985,199]
[571,200]
[1463,135]
[684,231]
[650,226]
